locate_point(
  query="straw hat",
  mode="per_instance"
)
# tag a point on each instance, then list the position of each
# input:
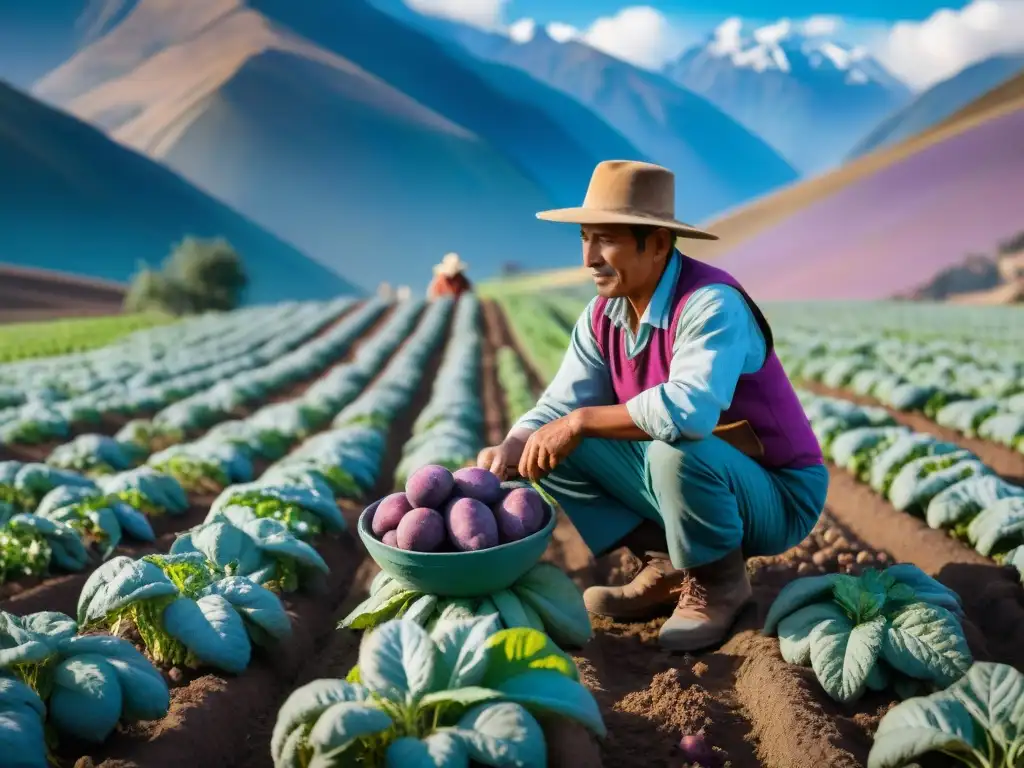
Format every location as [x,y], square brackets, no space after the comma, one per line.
[629,192]
[450,265]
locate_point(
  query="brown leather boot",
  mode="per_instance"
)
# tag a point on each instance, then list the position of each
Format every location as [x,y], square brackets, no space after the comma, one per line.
[654,589]
[710,598]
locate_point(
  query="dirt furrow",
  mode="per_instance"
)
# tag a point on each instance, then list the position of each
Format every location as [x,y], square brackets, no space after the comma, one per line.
[1005,462]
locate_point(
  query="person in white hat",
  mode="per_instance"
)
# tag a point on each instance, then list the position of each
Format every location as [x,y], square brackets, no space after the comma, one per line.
[671,427]
[449,277]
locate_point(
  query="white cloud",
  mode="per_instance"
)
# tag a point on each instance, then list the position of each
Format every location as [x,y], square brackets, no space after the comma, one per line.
[523,30]
[486,14]
[923,53]
[821,26]
[561,32]
[641,35]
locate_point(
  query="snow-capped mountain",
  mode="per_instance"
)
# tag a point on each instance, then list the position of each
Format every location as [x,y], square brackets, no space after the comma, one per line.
[810,97]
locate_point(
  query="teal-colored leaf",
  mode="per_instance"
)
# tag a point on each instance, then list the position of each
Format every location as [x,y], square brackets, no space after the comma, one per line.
[212,629]
[86,700]
[503,734]
[397,660]
[304,705]
[927,642]
[22,742]
[994,696]
[421,609]
[796,595]
[918,726]
[257,605]
[553,692]
[842,655]
[462,660]
[343,723]
[439,750]
[795,630]
[558,601]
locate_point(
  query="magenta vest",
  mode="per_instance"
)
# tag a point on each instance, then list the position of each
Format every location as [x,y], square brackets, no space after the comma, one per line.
[766,398]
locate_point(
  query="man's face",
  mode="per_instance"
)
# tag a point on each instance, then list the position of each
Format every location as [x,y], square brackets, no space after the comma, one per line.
[619,267]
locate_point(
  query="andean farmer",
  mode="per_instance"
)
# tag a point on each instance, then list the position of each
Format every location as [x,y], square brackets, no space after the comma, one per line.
[670,427]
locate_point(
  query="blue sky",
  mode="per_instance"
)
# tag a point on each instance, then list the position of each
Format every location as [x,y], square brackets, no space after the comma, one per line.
[919,41]
[582,12]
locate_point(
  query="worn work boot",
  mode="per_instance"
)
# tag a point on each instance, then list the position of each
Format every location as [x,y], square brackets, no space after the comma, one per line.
[710,599]
[655,588]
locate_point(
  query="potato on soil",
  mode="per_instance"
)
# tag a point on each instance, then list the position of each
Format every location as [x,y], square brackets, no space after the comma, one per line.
[519,514]
[421,530]
[471,525]
[389,513]
[429,486]
[479,484]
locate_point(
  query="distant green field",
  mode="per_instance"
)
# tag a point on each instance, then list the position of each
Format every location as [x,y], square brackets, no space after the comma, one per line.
[20,341]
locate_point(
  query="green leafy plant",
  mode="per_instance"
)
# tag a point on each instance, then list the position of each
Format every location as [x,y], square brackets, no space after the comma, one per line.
[465,691]
[184,612]
[261,549]
[306,512]
[897,628]
[88,683]
[22,714]
[32,546]
[544,599]
[147,490]
[978,721]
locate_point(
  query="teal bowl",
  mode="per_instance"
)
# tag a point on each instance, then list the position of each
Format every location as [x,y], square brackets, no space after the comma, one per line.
[459,574]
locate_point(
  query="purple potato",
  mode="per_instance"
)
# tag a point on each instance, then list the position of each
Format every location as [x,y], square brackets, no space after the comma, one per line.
[389,513]
[479,484]
[421,530]
[391,538]
[519,514]
[471,526]
[697,750]
[429,486]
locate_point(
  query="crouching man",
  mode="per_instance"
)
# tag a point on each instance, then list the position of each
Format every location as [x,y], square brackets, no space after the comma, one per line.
[670,427]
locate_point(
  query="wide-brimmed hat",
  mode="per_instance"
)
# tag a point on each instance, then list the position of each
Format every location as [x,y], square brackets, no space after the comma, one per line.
[450,265]
[629,192]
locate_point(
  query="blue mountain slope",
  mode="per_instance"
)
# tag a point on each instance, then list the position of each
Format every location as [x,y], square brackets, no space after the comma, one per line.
[73,200]
[720,164]
[940,101]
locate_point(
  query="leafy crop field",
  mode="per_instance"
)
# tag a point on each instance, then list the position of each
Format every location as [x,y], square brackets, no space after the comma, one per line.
[19,341]
[183,583]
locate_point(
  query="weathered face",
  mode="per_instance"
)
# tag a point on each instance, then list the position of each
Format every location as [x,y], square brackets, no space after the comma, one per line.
[619,267]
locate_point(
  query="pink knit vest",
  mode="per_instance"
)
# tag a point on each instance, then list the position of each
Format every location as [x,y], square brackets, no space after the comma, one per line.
[766,398]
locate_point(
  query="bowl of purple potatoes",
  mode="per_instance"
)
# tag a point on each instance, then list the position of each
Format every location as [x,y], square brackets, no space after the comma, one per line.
[458,534]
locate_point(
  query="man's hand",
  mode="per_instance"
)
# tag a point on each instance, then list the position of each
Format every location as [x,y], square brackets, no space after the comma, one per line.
[549,446]
[503,459]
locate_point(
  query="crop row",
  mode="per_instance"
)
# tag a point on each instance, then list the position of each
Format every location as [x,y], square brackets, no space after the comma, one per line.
[984,400]
[47,397]
[212,598]
[938,481]
[69,506]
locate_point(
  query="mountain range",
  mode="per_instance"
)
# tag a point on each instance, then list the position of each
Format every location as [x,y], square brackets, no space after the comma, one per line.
[811,98]
[375,139]
[940,101]
[77,202]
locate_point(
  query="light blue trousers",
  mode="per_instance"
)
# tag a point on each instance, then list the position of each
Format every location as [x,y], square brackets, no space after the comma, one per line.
[709,498]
